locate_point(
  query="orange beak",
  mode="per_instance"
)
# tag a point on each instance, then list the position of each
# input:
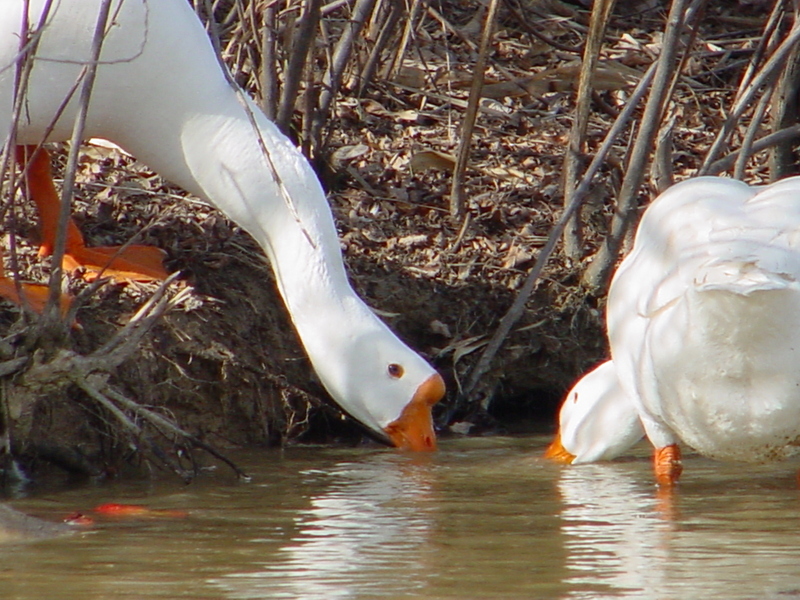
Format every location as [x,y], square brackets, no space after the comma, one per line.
[556,451]
[414,429]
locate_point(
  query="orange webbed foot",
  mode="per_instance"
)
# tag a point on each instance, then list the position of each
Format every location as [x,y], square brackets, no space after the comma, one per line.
[131,263]
[33,295]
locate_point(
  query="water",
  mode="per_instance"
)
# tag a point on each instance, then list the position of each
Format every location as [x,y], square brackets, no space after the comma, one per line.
[482,518]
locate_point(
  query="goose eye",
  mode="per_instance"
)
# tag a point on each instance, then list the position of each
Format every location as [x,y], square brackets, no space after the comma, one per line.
[395,371]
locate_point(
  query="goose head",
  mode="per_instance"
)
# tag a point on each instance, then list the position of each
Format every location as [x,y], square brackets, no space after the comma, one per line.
[598,421]
[375,378]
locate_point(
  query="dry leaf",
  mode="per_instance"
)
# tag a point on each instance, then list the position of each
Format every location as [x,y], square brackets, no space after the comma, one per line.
[440,328]
[516,257]
[432,159]
[348,153]
[409,115]
[467,346]
[412,77]
[609,75]
[412,240]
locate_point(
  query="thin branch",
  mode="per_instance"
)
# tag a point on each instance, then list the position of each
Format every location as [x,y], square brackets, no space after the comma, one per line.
[396,63]
[395,11]
[293,73]
[597,273]
[332,80]
[517,308]
[763,77]
[51,314]
[525,21]
[661,173]
[601,11]
[756,122]
[467,127]
[160,421]
[132,427]
[122,345]
[766,44]
[269,61]
[28,43]
[784,112]
[725,163]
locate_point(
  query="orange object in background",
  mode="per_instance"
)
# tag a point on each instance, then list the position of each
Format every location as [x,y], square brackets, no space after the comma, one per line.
[137,510]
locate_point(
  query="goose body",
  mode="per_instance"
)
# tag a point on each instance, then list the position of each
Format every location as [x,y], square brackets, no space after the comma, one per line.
[597,421]
[704,319]
[161,95]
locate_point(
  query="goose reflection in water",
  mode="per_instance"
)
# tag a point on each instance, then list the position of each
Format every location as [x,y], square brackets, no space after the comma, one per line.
[364,536]
[715,540]
[613,529]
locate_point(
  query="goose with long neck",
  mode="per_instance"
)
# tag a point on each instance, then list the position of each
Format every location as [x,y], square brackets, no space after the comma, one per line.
[161,95]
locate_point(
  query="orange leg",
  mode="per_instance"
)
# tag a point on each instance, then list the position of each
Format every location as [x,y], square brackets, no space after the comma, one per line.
[133,263]
[667,464]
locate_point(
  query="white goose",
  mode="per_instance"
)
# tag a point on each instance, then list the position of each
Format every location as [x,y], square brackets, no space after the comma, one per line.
[704,321]
[161,95]
[597,420]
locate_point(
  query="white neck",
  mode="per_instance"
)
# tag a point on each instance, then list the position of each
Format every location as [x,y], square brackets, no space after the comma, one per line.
[293,223]
[170,106]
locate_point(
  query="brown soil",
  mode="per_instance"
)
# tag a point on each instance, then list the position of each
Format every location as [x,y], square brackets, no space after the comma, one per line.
[226,364]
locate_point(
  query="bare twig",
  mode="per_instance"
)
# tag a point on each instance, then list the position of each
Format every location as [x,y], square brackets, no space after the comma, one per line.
[28,43]
[332,79]
[753,128]
[661,173]
[293,73]
[526,22]
[784,112]
[766,44]
[601,11]
[465,143]
[764,76]
[517,308]
[784,135]
[136,431]
[269,62]
[597,273]
[396,63]
[387,30]
[122,345]
[162,422]
[51,314]
[90,374]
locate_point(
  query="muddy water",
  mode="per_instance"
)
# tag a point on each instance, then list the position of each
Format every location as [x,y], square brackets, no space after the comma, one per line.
[481,519]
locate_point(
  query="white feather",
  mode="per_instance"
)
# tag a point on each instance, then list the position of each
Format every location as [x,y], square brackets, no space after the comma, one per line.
[704,319]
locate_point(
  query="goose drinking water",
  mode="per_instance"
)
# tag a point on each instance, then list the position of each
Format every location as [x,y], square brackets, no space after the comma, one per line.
[161,95]
[703,321]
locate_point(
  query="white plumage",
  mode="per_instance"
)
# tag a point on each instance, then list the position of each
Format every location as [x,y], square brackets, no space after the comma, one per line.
[597,420]
[161,95]
[704,319]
